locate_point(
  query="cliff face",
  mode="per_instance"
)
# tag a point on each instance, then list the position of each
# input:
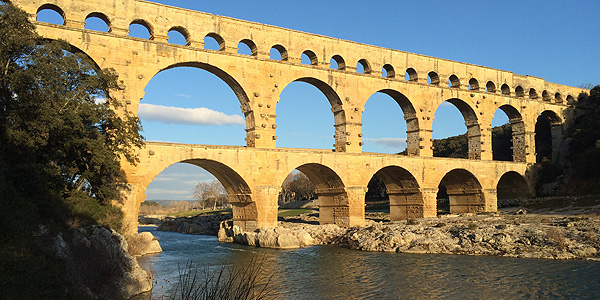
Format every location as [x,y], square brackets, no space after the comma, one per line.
[99,264]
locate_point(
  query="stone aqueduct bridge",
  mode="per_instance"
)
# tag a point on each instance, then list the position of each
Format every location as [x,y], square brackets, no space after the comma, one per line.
[253,175]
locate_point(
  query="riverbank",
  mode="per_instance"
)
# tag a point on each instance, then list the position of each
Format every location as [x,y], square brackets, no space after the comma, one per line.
[507,233]
[549,233]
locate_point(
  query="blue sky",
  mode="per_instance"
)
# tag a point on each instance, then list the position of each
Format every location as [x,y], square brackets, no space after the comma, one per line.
[555,40]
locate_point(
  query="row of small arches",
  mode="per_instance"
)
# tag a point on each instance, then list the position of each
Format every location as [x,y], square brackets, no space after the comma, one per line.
[212,41]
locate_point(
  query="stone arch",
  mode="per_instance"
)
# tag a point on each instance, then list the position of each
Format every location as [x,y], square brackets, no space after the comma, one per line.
[558,98]
[251,45]
[453,81]
[412,121]
[505,90]
[548,136]
[433,78]
[239,193]
[217,38]
[533,93]
[519,145]
[339,114]
[490,87]
[54,8]
[464,191]
[237,89]
[282,52]
[513,185]
[365,65]
[411,75]
[473,84]
[519,92]
[331,192]
[184,32]
[146,24]
[341,64]
[102,17]
[473,127]
[312,57]
[545,96]
[406,199]
[389,71]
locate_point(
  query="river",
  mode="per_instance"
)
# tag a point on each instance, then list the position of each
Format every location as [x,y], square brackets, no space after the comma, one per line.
[327,272]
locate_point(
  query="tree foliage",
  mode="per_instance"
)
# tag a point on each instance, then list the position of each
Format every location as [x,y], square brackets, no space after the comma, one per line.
[62,138]
[210,194]
[297,187]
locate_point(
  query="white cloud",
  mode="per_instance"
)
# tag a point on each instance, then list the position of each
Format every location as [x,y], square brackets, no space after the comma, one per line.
[166,191]
[184,96]
[190,116]
[390,143]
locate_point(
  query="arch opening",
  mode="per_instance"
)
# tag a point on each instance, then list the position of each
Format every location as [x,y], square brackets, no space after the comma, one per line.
[411,75]
[490,87]
[141,29]
[433,78]
[548,136]
[473,84]
[50,13]
[449,141]
[388,71]
[178,36]
[213,41]
[533,93]
[396,189]
[247,47]
[202,184]
[508,135]
[511,187]
[505,89]
[337,63]
[278,52]
[309,58]
[545,96]
[519,92]
[460,192]
[453,81]
[98,22]
[558,98]
[179,106]
[380,114]
[330,193]
[304,116]
[363,66]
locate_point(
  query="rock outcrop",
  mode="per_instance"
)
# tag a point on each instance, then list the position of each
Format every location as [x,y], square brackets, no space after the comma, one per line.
[99,264]
[143,243]
[519,235]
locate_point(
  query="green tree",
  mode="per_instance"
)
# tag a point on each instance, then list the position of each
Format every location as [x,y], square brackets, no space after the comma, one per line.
[62,139]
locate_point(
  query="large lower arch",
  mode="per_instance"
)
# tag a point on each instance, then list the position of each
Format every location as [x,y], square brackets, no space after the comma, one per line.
[406,199]
[331,192]
[464,192]
[513,186]
[339,116]
[239,194]
[238,90]
[548,136]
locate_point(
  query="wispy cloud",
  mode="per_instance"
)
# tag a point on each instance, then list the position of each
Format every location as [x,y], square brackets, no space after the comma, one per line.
[190,116]
[184,96]
[390,143]
[167,191]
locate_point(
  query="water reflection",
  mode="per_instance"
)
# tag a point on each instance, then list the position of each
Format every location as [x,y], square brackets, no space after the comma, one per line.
[324,272]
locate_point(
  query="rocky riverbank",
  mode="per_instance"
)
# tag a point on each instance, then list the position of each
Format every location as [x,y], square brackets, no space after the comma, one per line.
[507,233]
[202,224]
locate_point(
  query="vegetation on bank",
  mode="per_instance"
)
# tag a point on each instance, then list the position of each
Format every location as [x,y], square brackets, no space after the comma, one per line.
[62,137]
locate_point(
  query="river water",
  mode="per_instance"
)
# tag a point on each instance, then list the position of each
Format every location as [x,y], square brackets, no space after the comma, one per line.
[327,272]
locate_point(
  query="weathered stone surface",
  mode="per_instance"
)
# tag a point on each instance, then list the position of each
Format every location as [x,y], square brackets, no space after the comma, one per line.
[142,244]
[280,238]
[99,263]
